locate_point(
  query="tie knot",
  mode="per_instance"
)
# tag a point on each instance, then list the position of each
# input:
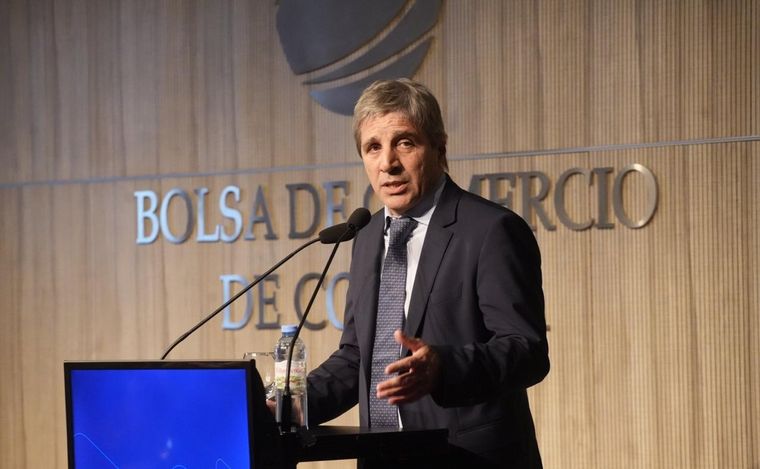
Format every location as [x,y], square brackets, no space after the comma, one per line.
[400,230]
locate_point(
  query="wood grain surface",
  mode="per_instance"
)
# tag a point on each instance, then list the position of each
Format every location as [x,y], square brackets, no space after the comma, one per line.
[655,332]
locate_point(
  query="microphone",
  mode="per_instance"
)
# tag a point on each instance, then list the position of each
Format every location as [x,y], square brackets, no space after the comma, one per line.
[346,231]
[332,235]
[358,220]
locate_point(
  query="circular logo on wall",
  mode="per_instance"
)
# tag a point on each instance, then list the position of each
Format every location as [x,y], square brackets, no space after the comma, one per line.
[348,44]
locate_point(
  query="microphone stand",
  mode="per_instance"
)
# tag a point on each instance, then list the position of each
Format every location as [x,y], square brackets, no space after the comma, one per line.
[334,234]
[286,400]
[238,295]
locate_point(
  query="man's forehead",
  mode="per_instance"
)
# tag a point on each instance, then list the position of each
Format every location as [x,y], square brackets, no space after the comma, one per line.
[395,122]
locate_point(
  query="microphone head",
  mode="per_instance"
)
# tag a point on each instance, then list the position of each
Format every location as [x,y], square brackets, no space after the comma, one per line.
[333,234]
[359,219]
[346,231]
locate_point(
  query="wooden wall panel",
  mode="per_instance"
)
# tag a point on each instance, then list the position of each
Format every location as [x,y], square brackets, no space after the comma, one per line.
[655,332]
[641,303]
[11,395]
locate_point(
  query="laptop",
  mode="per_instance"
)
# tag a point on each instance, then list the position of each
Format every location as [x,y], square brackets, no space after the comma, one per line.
[165,414]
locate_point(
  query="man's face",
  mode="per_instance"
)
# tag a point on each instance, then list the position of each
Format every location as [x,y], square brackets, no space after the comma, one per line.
[400,163]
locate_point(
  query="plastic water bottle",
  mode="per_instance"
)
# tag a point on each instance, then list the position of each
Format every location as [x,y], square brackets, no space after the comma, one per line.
[297,375]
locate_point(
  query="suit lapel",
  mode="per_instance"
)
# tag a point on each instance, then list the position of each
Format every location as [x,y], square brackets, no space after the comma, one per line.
[367,255]
[436,242]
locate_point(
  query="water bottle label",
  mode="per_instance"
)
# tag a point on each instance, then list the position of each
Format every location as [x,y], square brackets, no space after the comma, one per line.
[297,376]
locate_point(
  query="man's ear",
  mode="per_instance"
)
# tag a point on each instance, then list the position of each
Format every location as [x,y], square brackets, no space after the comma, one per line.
[442,162]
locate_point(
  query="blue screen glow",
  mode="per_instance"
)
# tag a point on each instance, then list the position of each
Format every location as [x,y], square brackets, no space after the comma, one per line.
[160,418]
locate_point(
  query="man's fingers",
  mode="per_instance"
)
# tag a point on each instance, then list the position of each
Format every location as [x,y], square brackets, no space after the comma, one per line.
[399,387]
[407,342]
[411,377]
[400,393]
[399,366]
[404,364]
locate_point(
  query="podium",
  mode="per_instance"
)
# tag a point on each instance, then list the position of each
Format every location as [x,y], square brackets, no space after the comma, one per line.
[208,413]
[384,447]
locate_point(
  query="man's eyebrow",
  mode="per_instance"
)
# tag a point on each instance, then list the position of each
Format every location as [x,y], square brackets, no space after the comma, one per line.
[413,134]
[369,140]
[406,134]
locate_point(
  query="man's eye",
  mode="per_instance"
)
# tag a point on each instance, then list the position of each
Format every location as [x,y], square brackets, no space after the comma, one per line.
[406,143]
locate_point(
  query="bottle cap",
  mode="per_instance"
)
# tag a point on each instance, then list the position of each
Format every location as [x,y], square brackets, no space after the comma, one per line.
[288,329]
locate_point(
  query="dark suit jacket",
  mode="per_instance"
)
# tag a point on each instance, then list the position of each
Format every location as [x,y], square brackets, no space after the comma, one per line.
[477,299]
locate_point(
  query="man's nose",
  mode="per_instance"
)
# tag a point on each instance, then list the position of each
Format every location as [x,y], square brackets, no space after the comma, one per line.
[388,160]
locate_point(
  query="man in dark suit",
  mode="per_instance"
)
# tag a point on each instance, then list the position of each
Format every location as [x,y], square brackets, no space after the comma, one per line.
[472,333]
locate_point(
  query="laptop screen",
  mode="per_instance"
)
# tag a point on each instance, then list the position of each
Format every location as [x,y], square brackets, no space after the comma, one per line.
[159,414]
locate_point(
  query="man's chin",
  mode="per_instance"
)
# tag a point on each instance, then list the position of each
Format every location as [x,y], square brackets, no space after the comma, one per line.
[397,205]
